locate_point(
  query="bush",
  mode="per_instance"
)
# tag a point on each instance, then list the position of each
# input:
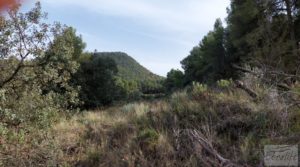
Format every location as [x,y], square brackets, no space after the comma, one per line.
[198,88]
[137,109]
[224,83]
[148,140]
[96,79]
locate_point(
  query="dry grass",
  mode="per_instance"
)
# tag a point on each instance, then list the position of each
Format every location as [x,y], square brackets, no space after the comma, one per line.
[231,123]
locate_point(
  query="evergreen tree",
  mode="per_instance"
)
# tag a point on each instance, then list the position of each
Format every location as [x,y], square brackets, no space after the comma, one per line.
[243,17]
[96,77]
[206,62]
[174,81]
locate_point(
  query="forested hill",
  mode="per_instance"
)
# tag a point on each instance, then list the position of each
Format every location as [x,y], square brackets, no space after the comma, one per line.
[129,68]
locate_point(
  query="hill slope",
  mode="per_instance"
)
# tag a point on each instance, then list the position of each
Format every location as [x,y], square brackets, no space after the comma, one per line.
[130,69]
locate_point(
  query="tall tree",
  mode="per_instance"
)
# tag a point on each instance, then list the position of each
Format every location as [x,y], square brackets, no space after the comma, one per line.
[35,58]
[96,78]
[206,62]
[22,36]
[33,52]
[63,59]
[175,80]
[273,42]
[243,17]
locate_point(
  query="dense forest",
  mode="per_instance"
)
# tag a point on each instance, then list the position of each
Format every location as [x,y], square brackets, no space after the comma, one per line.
[259,34]
[239,90]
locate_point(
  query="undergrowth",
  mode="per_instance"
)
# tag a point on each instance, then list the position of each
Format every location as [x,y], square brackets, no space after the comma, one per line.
[158,133]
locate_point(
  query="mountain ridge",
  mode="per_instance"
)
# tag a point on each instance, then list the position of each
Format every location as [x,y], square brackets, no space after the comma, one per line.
[129,68]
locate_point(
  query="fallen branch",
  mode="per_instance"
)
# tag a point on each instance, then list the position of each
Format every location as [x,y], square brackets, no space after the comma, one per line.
[243,69]
[207,146]
[268,72]
[284,86]
[241,85]
[195,136]
[279,85]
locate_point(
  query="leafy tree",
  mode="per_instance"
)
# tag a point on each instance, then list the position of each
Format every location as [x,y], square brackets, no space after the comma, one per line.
[34,56]
[153,86]
[128,89]
[97,80]
[62,58]
[22,37]
[175,80]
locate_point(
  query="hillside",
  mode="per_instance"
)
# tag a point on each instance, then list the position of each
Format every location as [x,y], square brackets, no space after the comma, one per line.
[197,127]
[129,68]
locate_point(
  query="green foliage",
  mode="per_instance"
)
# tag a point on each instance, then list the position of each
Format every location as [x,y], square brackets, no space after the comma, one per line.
[148,139]
[136,109]
[159,132]
[198,88]
[45,74]
[148,135]
[242,19]
[128,68]
[260,33]
[224,83]
[131,73]
[174,81]
[94,157]
[62,63]
[37,62]
[130,89]
[206,62]
[96,78]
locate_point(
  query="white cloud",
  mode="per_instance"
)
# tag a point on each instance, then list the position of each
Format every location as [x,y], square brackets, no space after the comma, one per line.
[176,15]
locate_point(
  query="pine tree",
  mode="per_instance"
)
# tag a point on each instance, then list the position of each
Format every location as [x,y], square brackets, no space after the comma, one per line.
[206,62]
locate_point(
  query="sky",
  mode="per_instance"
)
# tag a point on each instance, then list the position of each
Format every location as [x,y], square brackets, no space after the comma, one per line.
[157,33]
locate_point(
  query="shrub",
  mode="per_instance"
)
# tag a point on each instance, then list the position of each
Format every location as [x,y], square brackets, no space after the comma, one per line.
[224,83]
[198,88]
[137,109]
[96,78]
[148,140]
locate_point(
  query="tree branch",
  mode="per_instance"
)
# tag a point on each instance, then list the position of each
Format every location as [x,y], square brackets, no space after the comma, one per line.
[16,71]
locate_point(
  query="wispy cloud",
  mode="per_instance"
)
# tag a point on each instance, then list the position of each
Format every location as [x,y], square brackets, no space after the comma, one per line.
[158,33]
[176,15]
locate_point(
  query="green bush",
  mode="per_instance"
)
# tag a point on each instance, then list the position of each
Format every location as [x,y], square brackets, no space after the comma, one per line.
[198,88]
[148,140]
[224,83]
[97,82]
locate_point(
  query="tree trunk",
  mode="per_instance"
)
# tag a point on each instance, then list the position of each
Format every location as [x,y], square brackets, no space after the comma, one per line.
[289,10]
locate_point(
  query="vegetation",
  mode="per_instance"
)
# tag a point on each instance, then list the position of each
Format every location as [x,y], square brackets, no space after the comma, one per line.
[35,71]
[175,80]
[238,92]
[96,78]
[132,76]
[189,129]
[206,63]
[258,34]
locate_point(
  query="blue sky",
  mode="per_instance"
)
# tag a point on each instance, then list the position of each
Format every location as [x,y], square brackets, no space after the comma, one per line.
[157,33]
